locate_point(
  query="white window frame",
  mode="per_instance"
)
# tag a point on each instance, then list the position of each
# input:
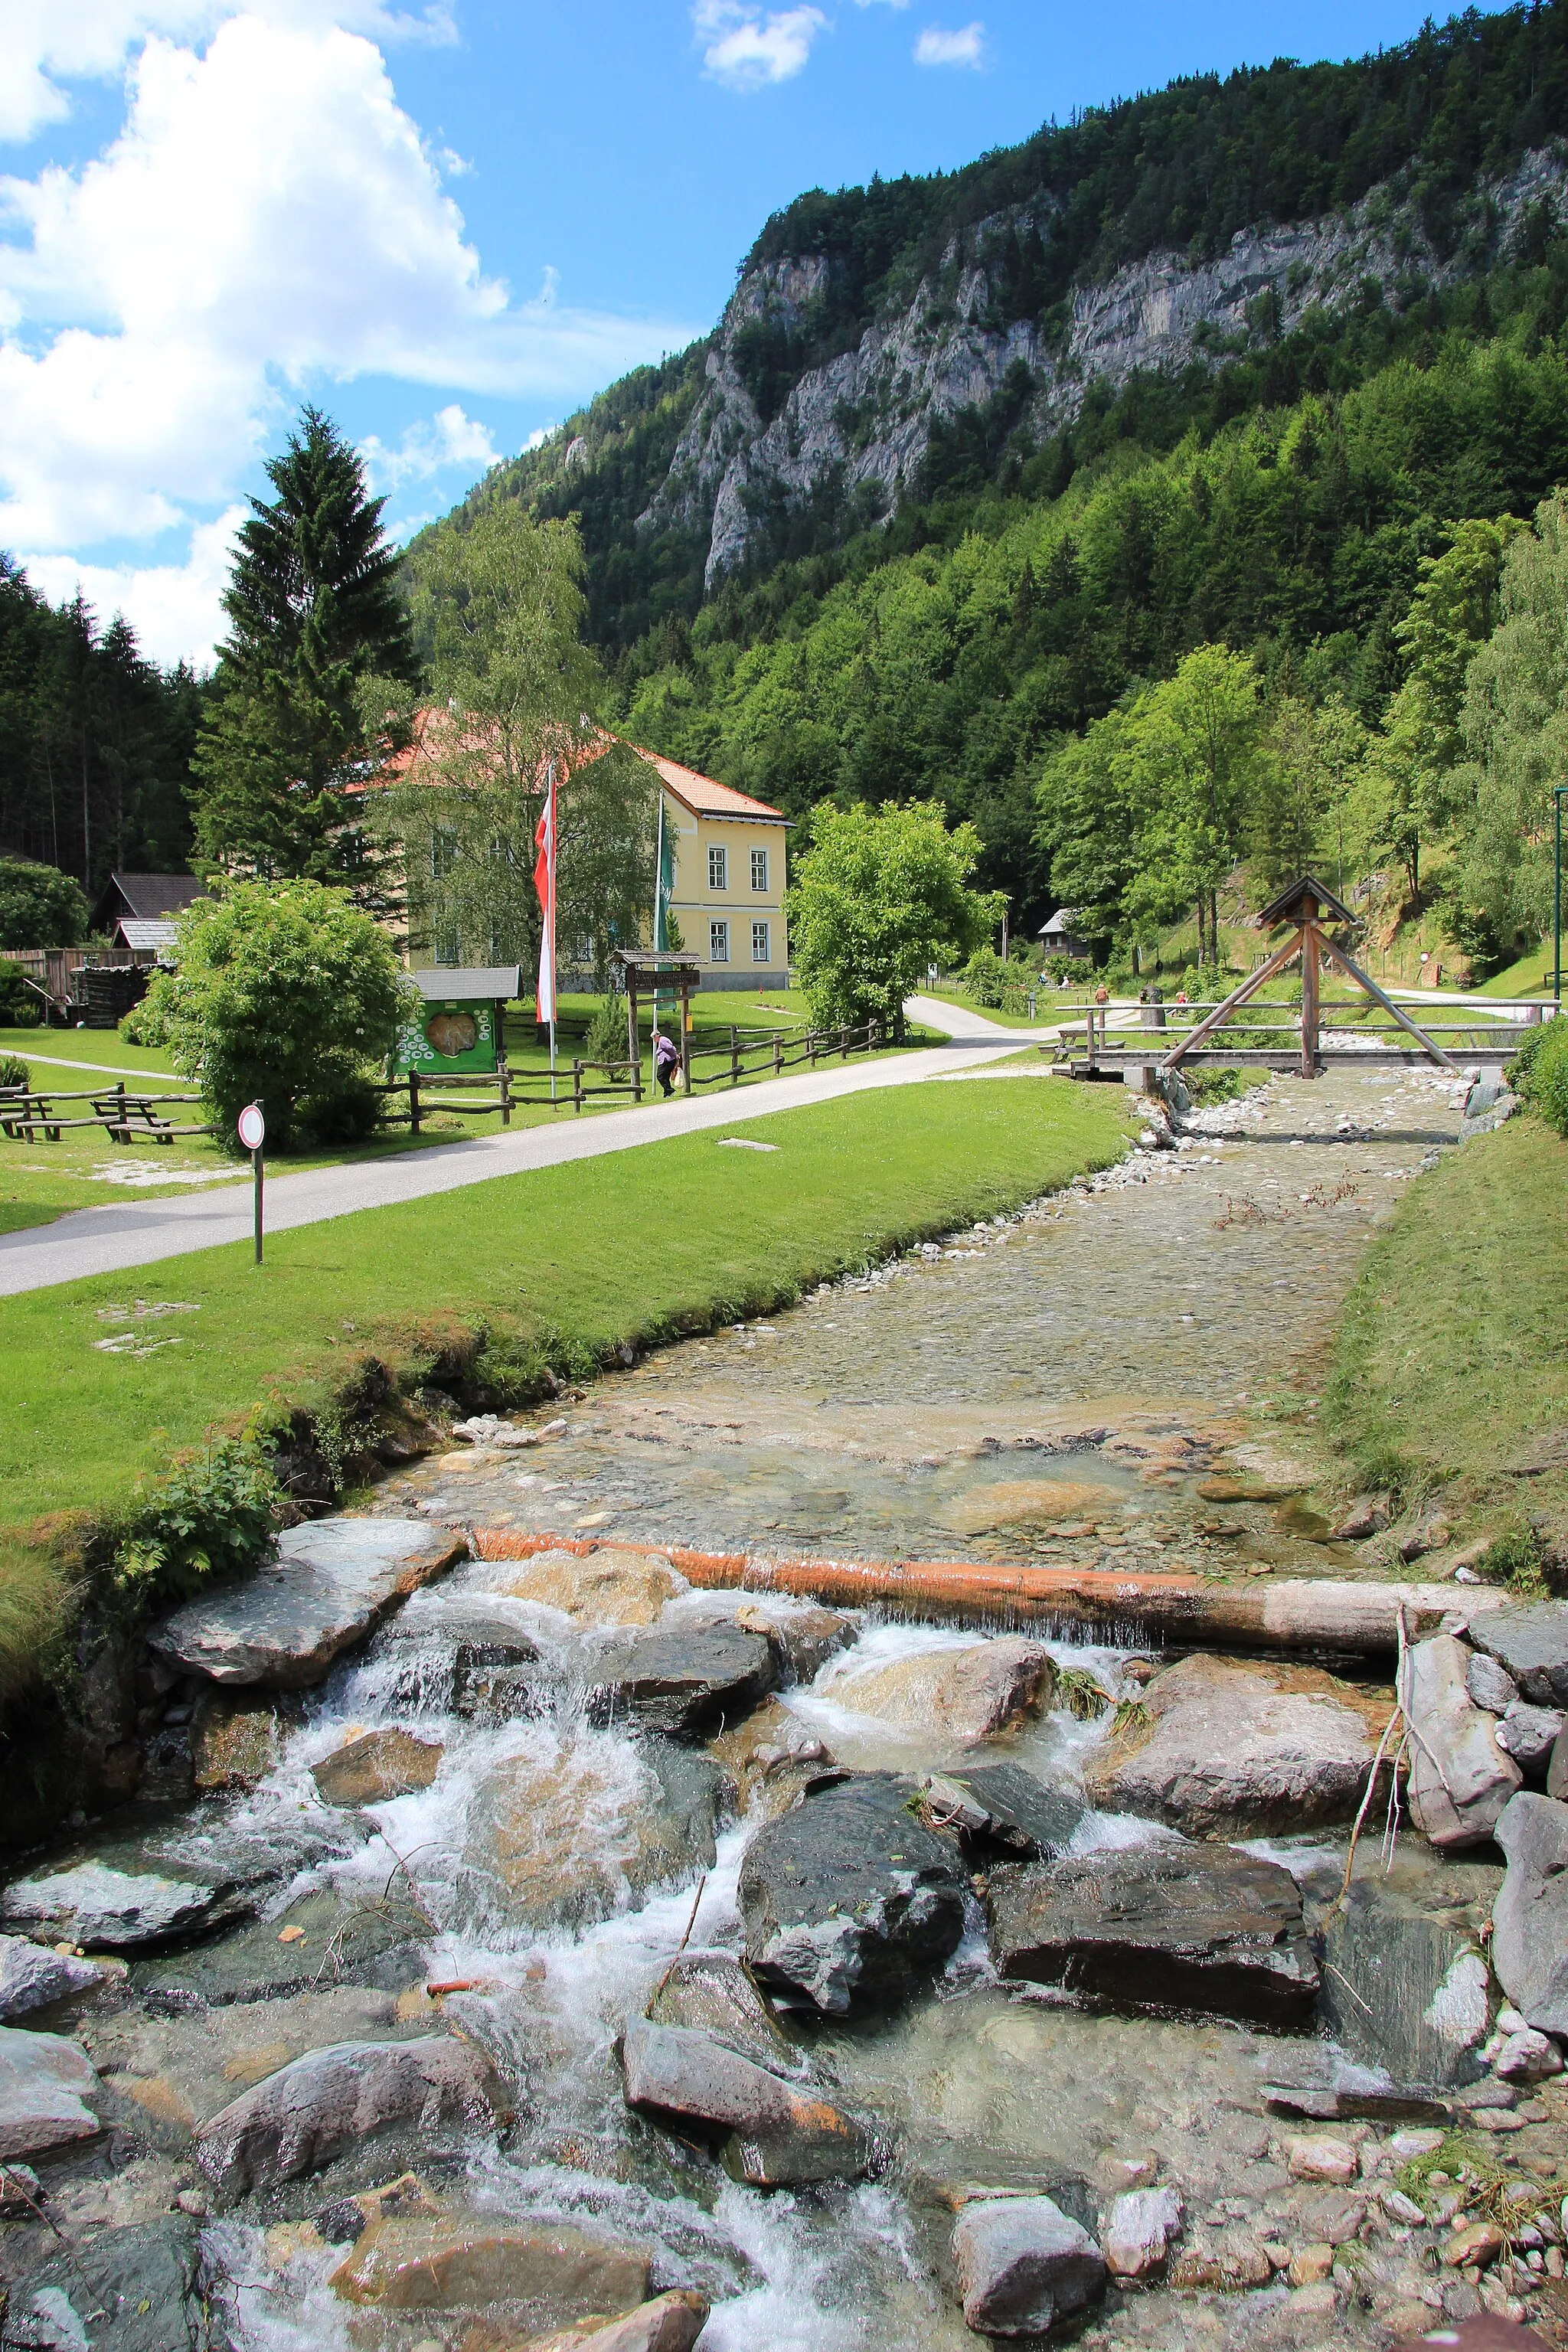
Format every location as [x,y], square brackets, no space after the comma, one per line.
[759,870]
[761,943]
[717,867]
[718,941]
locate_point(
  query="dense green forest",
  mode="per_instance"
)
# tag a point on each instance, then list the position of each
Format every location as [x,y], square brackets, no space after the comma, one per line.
[95,741]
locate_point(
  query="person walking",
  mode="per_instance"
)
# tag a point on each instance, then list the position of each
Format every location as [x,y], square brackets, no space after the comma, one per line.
[665,1059]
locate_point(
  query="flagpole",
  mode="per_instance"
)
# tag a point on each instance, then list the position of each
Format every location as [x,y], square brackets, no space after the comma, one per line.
[658,899]
[551,779]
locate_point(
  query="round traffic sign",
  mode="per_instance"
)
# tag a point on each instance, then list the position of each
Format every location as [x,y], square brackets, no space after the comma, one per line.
[252,1127]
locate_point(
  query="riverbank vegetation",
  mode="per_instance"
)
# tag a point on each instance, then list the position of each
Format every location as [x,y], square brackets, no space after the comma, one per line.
[1449,1374]
[523,1283]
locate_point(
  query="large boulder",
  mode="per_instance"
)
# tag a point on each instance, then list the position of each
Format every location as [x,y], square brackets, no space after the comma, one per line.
[1530,1919]
[446,2262]
[46,2084]
[671,2323]
[376,1766]
[770,1758]
[1139,2231]
[1001,1810]
[301,2117]
[952,1696]
[772,2133]
[849,1902]
[107,1909]
[139,2289]
[1402,1989]
[712,1993]
[567,1830]
[1227,1748]
[1461,1778]
[608,1586]
[1023,2265]
[803,1635]
[1185,1926]
[328,1584]
[1531,1644]
[449,1653]
[32,1977]
[680,1680]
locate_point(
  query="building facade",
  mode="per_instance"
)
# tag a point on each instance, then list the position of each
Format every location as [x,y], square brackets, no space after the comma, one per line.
[730,871]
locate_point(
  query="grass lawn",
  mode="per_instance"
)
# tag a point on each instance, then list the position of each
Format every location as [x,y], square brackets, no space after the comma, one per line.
[1530,976]
[42,1180]
[634,1244]
[1450,1356]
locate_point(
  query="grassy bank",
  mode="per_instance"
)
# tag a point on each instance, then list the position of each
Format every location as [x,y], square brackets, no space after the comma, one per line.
[1451,1363]
[556,1265]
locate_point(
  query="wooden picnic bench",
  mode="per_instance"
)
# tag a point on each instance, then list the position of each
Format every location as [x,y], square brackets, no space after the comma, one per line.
[24,1116]
[131,1117]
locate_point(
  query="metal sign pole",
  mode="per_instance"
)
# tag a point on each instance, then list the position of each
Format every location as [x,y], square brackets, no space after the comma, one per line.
[253,1136]
[1557,895]
[257,1161]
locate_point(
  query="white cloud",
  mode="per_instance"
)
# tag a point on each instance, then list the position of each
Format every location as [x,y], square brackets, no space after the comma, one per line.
[747,48]
[177,608]
[46,44]
[966,46]
[268,218]
[448,438]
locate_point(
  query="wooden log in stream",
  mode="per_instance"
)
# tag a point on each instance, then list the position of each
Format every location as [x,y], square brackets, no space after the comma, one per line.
[1273,1612]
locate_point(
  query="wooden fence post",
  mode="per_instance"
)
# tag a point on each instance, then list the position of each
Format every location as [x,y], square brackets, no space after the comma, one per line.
[844,1044]
[505,1094]
[778,1053]
[811,1049]
[414,1102]
[735,1056]
[123,1132]
[577,1086]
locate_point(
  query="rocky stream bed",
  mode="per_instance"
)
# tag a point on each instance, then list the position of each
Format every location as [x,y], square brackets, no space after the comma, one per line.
[543,1950]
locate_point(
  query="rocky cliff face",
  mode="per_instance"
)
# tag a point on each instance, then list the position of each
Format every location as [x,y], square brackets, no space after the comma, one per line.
[858,425]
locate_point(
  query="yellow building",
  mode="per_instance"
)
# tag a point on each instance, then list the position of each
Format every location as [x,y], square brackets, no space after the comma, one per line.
[729,886]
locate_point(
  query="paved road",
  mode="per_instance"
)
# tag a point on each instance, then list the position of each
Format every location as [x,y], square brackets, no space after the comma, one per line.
[125,1233]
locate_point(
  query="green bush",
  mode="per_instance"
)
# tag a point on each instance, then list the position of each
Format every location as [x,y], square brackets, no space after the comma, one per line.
[144,1025]
[14,1071]
[210,1514]
[1539,1072]
[987,978]
[287,995]
[18,1006]
[606,1037]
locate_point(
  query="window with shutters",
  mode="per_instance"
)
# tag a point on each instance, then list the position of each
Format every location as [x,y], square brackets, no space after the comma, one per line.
[759,870]
[758,943]
[717,869]
[718,941]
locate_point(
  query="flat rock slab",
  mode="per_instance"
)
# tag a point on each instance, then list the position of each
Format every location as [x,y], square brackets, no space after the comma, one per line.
[1530,1930]
[301,2117]
[680,1681]
[453,2262]
[31,1977]
[1531,1644]
[956,1697]
[773,2134]
[453,1656]
[375,1943]
[329,1585]
[1461,1778]
[132,2290]
[671,2322]
[46,2084]
[711,1992]
[110,1909]
[849,1901]
[377,1767]
[1233,1749]
[608,1586]
[1023,2265]
[1403,1991]
[1181,1926]
[562,1833]
[1000,1809]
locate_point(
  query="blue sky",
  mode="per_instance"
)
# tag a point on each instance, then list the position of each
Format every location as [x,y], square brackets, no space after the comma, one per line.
[447,225]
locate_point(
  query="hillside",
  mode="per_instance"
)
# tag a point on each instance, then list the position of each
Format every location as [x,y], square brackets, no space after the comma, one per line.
[967,455]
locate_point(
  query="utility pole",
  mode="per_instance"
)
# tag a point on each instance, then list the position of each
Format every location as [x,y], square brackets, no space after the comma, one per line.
[1557,794]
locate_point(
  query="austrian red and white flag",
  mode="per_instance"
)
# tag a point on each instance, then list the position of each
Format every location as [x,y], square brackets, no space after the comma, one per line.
[544,883]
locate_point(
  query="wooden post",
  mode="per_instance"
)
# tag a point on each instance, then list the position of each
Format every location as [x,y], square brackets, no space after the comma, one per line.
[778,1053]
[735,1056]
[634,1042]
[414,1102]
[577,1086]
[811,1049]
[1310,944]
[122,1132]
[685,980]
[844,1043]
[503,1072]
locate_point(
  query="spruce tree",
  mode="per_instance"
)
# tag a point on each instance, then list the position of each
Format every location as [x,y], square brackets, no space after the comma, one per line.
[313,608]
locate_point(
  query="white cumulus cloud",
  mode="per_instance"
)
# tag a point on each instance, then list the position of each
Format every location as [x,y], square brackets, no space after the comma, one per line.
[447,438]
[747,48]
[965,46]
[268,221]
[177,608]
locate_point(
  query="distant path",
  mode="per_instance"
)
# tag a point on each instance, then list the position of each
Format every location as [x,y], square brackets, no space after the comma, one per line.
[126,1234]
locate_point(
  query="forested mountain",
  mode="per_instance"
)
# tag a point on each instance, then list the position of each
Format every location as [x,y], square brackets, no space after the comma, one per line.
[95,741]
[971,458]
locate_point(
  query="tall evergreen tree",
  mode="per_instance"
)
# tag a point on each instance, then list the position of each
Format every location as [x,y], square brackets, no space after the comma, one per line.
[313,608]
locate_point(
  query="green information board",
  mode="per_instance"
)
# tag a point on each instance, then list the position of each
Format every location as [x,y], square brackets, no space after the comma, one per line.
[452,1037]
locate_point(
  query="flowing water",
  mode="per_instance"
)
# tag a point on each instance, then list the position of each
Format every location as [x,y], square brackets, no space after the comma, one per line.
[1059,1387]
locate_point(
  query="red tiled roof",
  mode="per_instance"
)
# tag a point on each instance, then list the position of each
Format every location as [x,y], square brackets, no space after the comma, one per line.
[703,796]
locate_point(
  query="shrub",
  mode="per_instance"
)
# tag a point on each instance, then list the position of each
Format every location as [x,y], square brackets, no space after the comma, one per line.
[1539,1072]
[18,1006]
[39,906]
[606,1037]
[14,1071]
[986,978]
[285,994]
[144,1025]
[208,1515]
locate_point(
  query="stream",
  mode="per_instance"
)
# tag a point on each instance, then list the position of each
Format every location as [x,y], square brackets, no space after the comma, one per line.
[1104,1379]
